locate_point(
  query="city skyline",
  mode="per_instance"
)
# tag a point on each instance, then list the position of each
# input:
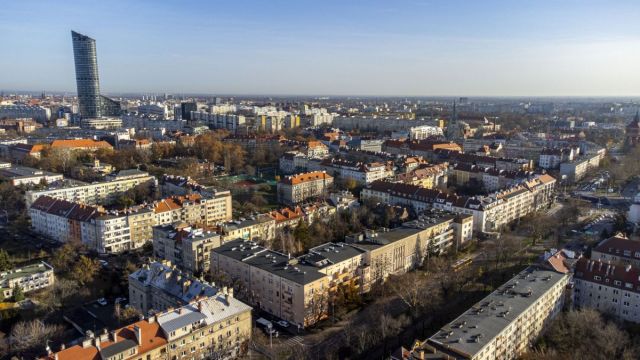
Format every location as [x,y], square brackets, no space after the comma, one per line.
[403,49]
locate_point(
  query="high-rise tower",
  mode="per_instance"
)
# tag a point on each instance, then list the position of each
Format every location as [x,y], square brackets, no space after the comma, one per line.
[87,80]
[92,104]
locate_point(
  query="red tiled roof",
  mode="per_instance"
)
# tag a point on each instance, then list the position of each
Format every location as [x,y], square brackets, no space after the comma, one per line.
[600,272]
[301,178]
[80,144]
[152,337]
[616,245]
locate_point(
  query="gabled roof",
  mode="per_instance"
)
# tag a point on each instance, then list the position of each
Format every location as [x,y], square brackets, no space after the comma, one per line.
[596,271]
[305,177]
[67,209]
[617,245]
[80,144]
[152,337]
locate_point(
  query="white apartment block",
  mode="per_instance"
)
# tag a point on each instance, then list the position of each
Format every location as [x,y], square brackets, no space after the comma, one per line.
[28,278]
[22,175]
[577,169]
[361,173]
[490,213]
[93,194]
[229,122]
[504,324]
[117,231]
[37,113]
[609,288]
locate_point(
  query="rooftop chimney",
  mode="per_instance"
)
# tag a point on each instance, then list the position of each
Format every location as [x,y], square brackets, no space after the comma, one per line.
[138,332]
[114,336]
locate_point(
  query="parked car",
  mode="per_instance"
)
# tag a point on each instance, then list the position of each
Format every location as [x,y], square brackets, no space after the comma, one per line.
[102,301]
[283,324]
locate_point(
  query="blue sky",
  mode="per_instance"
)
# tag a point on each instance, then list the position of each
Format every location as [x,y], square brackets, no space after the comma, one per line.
[348,47]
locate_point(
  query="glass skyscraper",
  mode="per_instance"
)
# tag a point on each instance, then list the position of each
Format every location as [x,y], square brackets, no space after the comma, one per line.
[92,104]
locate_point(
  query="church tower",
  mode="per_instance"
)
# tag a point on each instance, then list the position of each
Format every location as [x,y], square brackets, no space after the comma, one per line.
[633,131]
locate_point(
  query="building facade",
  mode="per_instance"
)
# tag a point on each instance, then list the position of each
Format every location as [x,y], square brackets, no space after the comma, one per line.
[609,288]
[187,247]
[28,278]
[217,327]
[93,194]
[503,325]
[300,187]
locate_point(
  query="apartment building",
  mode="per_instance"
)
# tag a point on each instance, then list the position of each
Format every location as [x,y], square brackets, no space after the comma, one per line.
[607,287]
[361,172]
[490,212]
[38,113]
[551,158]
[61,220]
[500,163]
[218,327]
[98,193]
[187,247]
[315,150]
[215,327]
[80,144]
[491,179]
[195,208]
[256,228]
[618,250]
[366,144]
[299,289]
[298,188]
[396,251]
[426,148]
[102,231]
[292,162]
[503,325]
[116,231]
[231,122]
[273,282]
[28,278]
[577,169]
[160,285]
[426,176]
[22,175]
[418,132]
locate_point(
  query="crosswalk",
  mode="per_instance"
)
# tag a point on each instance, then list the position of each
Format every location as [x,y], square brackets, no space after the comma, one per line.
[294,341]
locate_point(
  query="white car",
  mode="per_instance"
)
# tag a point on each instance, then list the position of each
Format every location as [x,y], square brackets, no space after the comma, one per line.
[102,301]
[283,323]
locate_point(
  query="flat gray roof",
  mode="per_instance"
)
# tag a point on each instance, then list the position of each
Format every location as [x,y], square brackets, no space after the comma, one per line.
[274,262]
[479,325]
[181,321]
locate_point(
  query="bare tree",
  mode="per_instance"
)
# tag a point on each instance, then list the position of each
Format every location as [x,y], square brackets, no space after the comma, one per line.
[26,336]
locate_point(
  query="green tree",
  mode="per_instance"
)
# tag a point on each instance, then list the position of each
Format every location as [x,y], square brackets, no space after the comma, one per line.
[18,294]
[5,261]
[63,257]
[301,232]
[85,269]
